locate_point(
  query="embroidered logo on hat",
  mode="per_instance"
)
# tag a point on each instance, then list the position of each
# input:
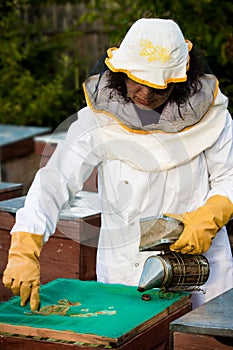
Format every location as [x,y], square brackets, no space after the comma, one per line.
[154,53]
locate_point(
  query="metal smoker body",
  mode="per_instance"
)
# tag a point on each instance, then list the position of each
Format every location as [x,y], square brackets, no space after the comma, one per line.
[168,270]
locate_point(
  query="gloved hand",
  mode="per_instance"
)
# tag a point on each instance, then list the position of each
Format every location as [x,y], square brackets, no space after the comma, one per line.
[202,225]
[22,274]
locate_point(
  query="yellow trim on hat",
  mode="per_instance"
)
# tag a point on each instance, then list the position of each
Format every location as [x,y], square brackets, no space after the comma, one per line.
[190,46]
[141,81]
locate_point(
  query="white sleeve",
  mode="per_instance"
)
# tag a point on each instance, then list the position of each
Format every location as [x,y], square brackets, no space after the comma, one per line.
[219,159]
[63,176]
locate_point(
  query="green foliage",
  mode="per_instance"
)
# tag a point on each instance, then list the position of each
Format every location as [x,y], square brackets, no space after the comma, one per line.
[37,71]
[207,23]
[40,70]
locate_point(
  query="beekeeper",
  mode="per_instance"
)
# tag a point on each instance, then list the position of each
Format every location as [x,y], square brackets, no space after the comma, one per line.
[158,129]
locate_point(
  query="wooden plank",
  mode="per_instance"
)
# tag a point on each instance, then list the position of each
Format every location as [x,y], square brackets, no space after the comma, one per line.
[29,343]
[5,238]
[7,220]
[188,341]
[62,335]
[10,194]
[229,227]
[14,170]
[87,263]
[57,249]
[60,258]
[5,293]
[18,149]
[3,260]
[4,247]
[18,343]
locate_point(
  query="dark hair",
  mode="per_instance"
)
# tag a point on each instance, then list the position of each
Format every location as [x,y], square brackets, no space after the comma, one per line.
[182,91]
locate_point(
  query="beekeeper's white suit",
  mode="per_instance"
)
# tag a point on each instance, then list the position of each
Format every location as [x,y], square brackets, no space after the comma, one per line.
[170,167]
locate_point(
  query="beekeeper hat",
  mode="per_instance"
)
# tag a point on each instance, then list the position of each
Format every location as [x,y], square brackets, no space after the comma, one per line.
[153,52]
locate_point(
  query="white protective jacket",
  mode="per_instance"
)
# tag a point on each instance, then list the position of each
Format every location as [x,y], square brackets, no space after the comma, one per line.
[170,167]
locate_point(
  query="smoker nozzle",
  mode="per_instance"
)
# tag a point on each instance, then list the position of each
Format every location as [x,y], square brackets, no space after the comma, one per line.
[155,274]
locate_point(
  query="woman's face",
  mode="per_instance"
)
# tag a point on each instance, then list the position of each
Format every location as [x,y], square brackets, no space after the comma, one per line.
[144,96]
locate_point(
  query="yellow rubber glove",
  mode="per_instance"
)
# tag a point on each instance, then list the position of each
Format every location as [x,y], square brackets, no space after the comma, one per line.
[202,225]
[22,274]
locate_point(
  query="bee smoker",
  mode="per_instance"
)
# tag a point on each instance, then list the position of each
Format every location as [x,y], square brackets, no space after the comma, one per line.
[168,270]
